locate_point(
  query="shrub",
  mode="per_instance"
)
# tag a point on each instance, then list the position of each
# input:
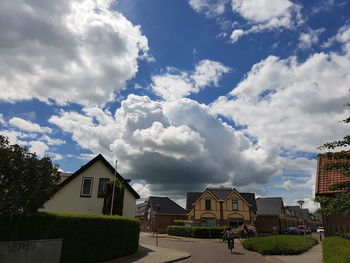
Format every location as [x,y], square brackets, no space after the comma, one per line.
[336,249]
[86,237]
[279,244]
[197,232]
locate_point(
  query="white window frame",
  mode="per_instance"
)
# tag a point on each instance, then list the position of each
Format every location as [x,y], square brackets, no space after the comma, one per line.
[82,186]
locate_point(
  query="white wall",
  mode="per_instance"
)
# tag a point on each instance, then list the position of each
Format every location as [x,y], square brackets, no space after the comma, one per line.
[68,199]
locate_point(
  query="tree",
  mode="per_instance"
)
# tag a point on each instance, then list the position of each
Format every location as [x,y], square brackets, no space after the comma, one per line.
[340,201]
[118,201]
[26,182]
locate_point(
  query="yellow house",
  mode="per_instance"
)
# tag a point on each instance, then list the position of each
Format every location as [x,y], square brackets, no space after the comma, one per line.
[83,191]
[221,207]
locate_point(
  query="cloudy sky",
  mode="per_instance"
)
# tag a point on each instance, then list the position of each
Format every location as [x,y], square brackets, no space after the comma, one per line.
[185,94]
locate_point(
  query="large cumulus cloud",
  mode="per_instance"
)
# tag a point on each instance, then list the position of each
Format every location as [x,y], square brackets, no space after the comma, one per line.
[68,51]
[174,147]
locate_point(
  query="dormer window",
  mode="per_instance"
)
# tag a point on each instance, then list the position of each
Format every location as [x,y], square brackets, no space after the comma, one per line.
[86,187]
[207,204]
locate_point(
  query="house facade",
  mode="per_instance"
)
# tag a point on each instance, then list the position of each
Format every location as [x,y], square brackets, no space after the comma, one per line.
[324,179]
[274,217]
[221,207]
[83,191]
[157,213]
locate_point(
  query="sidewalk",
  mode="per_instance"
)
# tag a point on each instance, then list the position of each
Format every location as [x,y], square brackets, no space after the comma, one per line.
[152,254]
[314,255]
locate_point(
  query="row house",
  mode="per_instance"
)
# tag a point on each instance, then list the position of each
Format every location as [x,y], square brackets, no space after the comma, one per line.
[273,216]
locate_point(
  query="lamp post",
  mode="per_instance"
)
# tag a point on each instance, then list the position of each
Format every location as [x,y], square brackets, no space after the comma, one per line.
[301,202]
[115,176]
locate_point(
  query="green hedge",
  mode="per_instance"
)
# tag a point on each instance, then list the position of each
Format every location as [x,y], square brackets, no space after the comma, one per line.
[336,249]
[279,244]
[86,237]
[197,232]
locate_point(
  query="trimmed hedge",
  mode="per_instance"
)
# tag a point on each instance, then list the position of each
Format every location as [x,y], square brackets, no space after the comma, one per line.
[336,249]
[86,237]
[195,231]
[279,244]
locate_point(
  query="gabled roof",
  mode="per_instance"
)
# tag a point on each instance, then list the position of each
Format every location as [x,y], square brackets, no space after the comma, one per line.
[164,205]
[192,197]
[325,179]
[108,165]
[220,194]
[269,206]
[250,198]
[305,213]
[141,209]
[296,209]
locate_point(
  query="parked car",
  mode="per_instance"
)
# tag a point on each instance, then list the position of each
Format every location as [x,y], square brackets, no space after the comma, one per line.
[291,231]
[303,228]
[320,229]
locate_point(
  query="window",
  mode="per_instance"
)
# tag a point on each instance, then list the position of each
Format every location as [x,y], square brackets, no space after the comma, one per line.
[234,205]
[234,222]
[86,187]
[207,204]
[102,187]
[208,222]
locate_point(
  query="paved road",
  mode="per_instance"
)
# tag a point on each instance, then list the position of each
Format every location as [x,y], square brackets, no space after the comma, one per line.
[206,251]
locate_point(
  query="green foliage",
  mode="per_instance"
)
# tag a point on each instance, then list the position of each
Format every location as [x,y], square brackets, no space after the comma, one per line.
[339,202]
[196,232]
[181,222]
[336,249]
[86,237]
[26,182]
[118,201]
[279,244]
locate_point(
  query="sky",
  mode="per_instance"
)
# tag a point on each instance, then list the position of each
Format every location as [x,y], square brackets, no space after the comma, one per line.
[184,94]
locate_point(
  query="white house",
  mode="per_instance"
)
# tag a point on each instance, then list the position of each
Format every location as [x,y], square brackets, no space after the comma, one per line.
[82,192]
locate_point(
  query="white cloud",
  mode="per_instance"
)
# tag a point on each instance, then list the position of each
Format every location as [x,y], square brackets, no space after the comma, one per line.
[67,51]
[289,104]
[342,36]
[143,190]
[265,11]
[170,145]
[38,147]
[310,38]
[2,120]
[51,141]
[28,125]
[236,34]
[210,8]
[265,15]
[175,84]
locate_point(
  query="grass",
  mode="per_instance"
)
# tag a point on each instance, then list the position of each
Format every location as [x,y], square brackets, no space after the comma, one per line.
[336,249]
[279,244]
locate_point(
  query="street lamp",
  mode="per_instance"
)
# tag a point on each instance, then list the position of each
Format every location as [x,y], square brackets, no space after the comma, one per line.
[301,202]
[115,176]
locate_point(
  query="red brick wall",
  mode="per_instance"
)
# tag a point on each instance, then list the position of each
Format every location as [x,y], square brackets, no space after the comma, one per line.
[266,224]
[163,221]
[337,223]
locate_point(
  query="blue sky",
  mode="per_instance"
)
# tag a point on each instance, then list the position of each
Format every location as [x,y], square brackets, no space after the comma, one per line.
[185,94]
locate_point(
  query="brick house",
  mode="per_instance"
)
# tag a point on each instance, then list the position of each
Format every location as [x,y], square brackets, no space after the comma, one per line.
[157,213]
[324,179]
[221,207]
[273,216]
